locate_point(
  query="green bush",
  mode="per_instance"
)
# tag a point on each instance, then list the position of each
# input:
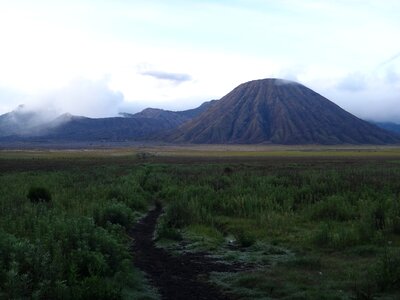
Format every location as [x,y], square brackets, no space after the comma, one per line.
[165,232]
[337,236]
[115,213]
[134,199]
[396,224]
[178,214]
[116,194]
[39,194]
[322,235]
[221,183]
[394,214]
[244,238]
[387,270]
[334,208]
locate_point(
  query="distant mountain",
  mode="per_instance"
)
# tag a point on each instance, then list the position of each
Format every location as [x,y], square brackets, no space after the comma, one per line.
[389,126]
[145,125]
[174,118]
[110,129]
[280,112]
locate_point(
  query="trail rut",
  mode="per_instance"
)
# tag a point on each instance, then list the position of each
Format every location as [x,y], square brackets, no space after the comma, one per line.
[175,277]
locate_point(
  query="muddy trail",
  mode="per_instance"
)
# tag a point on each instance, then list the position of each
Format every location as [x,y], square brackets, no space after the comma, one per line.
[175,277]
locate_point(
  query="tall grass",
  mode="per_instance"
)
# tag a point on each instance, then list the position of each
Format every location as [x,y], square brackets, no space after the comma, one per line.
[74,246]
[326,209]
[363,199]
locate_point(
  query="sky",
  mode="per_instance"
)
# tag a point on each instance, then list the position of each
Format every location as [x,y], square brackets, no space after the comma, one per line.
[101,57]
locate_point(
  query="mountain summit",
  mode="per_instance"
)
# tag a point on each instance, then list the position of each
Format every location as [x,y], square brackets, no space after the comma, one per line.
[280,112]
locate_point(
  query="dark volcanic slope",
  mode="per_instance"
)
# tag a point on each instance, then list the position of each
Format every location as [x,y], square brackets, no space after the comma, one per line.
[389,126]
[281,112]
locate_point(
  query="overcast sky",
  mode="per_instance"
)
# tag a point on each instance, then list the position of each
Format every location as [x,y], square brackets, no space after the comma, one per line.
[99,57]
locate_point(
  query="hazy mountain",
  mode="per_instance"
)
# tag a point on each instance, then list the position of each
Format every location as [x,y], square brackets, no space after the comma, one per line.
[23,121]
[280,112]
[147,124]
[394,127]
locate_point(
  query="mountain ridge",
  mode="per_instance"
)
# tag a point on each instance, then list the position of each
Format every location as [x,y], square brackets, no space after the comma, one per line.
[264,111]
[139,126]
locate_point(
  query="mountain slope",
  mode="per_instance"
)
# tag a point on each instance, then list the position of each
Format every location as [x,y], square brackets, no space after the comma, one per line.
[280,112]
[194,112]
[111,129]
[393,127]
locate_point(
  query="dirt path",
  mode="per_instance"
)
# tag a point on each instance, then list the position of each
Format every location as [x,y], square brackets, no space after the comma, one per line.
[175,277]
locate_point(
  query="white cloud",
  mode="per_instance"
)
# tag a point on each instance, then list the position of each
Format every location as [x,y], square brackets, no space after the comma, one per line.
[162,75]
[372,95]
[9,99]
[85,97]
[91,98]
[353,82]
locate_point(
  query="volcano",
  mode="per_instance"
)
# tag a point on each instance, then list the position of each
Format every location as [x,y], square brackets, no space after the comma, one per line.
[278,111]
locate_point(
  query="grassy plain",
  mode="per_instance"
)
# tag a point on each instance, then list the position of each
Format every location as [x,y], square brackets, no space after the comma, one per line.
[307,222]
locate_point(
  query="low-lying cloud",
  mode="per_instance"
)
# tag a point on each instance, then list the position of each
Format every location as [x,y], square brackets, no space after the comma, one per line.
[86,97]
[83,97]
[370,95]
[80,97]
[353,82]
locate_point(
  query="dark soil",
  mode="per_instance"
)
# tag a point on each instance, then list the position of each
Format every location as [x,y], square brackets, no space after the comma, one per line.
[175,277]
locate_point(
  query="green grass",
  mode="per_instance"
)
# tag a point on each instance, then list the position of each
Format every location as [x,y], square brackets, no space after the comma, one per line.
[331,216]
[311,224]
[74,246]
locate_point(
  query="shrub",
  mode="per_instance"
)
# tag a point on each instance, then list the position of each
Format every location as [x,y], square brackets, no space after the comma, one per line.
[134,200]
[321,236]
[188,210]
[244,238]
[396,224]
[178,214]
[164,232]
[336,235]
[228,170]
[221,183]
[115,213]
[332,208]
[387,270]
[116,194]
[394,214]
[38,194]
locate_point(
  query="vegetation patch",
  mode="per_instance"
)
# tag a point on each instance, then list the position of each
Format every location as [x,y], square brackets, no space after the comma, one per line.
[39,194]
